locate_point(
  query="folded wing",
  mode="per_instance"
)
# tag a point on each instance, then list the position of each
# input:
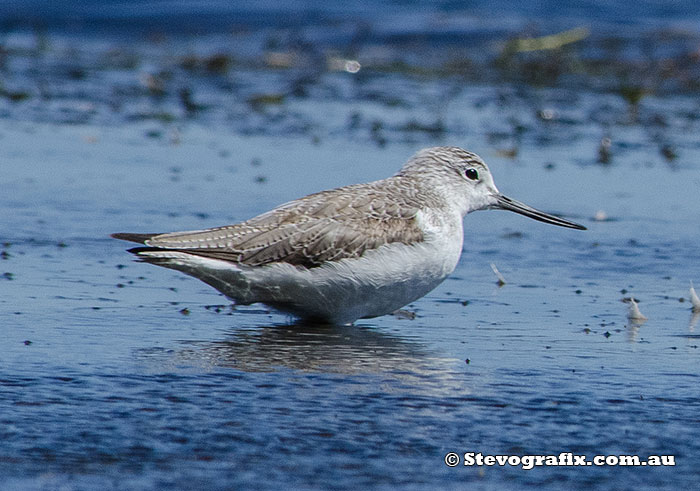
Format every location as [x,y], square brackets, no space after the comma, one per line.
[322,227]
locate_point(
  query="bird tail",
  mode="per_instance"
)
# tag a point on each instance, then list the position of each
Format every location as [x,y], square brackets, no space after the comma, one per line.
[138,238]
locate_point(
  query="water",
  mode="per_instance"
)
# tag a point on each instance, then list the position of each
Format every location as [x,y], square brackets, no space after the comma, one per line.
[121,375]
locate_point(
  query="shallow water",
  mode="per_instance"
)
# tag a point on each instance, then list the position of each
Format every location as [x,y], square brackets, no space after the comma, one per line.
[121,375]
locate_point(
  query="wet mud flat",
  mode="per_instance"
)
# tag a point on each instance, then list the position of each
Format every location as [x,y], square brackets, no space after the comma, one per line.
[121,375]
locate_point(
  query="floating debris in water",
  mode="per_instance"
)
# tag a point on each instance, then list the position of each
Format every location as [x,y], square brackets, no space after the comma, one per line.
[377,133]
[633,330]
[694,298]
[404,314]
[604,153]
[187,101]
[600,216]
[694,318]
[435,129]
[632,94]
[634,313]
[509,153]
[336,64]
[279,59]
[553,41]
[668,152]
[501,279]
[218,63]
[14,96]
[546,114]
[154,84]
[259,101]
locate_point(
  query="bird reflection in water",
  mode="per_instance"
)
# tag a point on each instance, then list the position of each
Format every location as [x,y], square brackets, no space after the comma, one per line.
[310,347]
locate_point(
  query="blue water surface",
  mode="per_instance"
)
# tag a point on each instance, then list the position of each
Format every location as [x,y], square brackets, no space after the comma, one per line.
[120,375]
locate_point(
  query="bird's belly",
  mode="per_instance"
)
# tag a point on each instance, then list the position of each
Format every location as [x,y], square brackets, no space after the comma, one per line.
[375,284]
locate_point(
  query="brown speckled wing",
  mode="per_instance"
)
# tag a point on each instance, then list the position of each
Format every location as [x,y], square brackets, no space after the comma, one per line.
[326,226]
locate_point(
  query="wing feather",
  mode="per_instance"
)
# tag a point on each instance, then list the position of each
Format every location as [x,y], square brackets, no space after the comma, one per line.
[326,226]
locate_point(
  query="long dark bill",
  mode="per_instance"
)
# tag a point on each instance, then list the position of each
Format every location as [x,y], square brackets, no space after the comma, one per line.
[505,203]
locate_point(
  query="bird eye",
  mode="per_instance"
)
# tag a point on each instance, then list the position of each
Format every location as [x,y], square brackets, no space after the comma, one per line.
[471,174]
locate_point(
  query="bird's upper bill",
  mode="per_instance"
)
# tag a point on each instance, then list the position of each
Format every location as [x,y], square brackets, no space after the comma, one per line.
[506,203]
